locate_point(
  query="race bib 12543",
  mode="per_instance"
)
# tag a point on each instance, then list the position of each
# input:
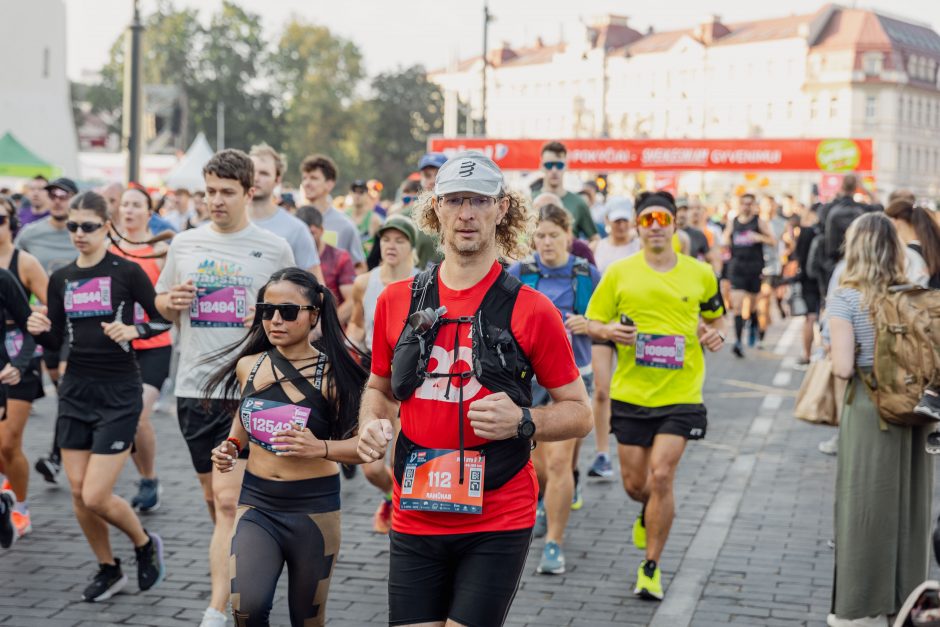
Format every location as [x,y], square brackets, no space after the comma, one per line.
[263,418]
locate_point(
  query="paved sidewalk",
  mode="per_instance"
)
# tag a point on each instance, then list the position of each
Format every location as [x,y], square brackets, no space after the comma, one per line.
[749,544]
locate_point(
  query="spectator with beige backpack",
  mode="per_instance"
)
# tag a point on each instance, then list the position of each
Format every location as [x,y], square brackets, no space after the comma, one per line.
[885,335]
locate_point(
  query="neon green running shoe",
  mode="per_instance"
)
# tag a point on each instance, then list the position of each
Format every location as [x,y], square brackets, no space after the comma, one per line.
[649,583]
[639,533]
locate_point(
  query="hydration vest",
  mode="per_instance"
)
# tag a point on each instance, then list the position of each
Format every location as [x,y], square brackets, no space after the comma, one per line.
[498,363]
[581,282]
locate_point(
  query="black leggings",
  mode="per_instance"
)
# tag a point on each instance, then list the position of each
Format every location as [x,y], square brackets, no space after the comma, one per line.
[278,522]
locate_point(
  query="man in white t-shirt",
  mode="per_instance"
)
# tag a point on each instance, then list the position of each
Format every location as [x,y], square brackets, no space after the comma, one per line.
[318,174]
[264,211]
[209,285]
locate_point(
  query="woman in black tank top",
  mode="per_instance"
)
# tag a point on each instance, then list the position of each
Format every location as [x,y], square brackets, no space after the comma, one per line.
[29,274]
[296,405]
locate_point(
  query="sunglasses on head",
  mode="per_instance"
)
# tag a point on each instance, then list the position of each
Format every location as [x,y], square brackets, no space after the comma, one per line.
[662,218]
[86,227]
[554,165]
[58,194]
[288,312]
[407,200]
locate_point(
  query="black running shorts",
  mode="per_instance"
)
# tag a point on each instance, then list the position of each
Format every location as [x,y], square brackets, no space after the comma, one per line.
[470,578]
[638,426]
[204,429]
[97,415]
[155,365]
[29,388]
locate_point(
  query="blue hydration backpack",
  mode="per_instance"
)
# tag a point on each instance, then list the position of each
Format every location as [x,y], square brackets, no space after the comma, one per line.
[581,281]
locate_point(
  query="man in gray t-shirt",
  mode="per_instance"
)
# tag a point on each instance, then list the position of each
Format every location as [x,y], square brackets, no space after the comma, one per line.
[318,174]
[47,239]
[347,235]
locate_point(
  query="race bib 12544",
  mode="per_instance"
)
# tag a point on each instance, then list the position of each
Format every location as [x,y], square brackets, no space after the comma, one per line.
[88,297]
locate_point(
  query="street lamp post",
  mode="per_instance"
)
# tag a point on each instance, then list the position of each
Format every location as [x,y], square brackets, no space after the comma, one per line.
[131,125]
[486,36]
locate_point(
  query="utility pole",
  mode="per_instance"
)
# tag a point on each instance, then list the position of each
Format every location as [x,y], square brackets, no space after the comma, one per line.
[220,126]
[487,17]
[132,92]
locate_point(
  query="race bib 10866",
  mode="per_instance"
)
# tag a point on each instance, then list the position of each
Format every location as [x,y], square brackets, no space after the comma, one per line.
[219,307]
[660,351]
[86,298]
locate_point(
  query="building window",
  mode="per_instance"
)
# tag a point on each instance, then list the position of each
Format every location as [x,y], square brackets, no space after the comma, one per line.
[789,109]
[870,107]
[45,62]
[813,109]
[834,107]
[872,63]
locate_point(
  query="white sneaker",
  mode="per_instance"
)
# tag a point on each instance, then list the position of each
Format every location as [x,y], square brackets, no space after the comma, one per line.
[872,621]
[830,446]
[213,618]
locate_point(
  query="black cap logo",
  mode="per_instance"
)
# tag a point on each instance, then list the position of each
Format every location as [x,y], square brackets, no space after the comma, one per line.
[466,168]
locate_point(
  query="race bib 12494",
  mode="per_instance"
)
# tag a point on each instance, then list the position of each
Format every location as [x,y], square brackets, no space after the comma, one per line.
[219,307]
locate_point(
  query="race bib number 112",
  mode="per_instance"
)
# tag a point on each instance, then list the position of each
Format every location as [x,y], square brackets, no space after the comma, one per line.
[431,482]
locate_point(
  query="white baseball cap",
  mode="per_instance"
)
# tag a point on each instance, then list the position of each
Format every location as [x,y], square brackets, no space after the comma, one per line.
[619,208]
[469,171]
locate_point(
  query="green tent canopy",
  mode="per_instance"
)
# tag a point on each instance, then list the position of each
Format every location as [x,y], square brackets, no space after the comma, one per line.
[17,161]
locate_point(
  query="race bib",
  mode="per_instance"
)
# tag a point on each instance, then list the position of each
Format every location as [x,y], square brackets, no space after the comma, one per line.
[660,351]
[744,238]
[219,307]
[263,418]
[431,482]
[88,297]
[330,237]
[13,341]
[139,315]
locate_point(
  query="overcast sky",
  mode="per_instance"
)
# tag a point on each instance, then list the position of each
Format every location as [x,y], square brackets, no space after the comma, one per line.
[433,32]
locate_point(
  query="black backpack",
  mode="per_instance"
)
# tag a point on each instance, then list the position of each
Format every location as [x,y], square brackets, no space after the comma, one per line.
[842,213]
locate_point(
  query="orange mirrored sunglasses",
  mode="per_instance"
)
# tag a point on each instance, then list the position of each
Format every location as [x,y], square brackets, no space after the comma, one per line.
[662,218]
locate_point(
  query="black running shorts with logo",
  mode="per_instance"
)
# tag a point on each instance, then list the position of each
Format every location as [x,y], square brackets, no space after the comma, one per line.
[29,388]
[633,425]
[204,429]
[470,578]
[97,415]
[155,365]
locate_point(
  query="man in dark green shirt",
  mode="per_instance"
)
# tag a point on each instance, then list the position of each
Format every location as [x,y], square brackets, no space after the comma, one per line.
[554,162]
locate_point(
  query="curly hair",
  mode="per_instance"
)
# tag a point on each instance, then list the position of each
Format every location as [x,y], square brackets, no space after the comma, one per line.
[512,234]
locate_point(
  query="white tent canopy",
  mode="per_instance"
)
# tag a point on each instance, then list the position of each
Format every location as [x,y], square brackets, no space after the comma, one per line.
[188,172]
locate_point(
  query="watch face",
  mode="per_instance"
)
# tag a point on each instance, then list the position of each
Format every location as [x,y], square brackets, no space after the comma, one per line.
[528,429]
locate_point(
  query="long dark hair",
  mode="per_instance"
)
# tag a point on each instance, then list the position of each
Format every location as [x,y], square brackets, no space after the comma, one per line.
[347,377]
[928,233]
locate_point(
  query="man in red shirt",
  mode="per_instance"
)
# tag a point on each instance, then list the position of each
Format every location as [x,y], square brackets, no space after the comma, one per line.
[465,491]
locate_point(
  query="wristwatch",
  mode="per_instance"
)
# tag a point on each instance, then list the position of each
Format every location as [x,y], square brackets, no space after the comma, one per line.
[526,428]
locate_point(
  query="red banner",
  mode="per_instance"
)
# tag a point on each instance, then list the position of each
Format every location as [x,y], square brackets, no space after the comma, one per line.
[603,155]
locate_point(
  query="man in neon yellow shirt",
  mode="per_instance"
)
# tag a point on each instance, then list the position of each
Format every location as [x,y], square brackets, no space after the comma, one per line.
[660,308]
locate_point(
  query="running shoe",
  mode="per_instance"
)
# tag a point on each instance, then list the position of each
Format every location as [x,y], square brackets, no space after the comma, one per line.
[649,583]
[6,487]
[871,621]
[349,470]
[738,350]
[108,581]
[382,519]
[147,498]
[830,446]
[933,444]
[150,567]
[541,521]
[213,618]
[553,560]
[601,467]
[49,469]
[639,533]
[929,405]
[577,498]
[7,529]
[752,335]
[22,523]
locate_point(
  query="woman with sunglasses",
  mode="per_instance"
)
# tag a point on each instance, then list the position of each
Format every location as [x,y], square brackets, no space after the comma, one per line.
[135,242]
[568,281]
[298,412]
[28,272]
[91,307]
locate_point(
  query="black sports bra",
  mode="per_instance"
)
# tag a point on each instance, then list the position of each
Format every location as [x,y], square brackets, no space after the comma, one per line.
[264,412]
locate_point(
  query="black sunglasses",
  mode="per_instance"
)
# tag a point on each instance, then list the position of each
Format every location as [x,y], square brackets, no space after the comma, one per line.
[86,227]
[288,312]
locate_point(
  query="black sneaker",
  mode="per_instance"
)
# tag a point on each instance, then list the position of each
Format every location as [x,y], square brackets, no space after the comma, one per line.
[147,498]
[349,470]
[49,469]
[7,529]
[150,567]
[929,405]
[738,350]
[108,581]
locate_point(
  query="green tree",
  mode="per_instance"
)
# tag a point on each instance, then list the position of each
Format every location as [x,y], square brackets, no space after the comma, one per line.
[317,75]
[405,108]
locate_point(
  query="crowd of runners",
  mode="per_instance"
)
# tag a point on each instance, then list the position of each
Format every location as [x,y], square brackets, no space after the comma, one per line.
[458,342]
